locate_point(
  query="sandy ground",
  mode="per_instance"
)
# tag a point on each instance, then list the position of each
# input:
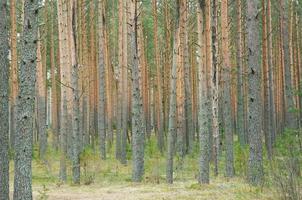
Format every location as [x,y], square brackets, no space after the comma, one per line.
[130,191]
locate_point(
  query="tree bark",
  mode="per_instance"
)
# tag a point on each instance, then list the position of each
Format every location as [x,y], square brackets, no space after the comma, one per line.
[4,102]
[204,171]
[138,127]
[25,103]
[13,72]
[172,110]
[102,83]
[227,106]
[289,102]
[254,95]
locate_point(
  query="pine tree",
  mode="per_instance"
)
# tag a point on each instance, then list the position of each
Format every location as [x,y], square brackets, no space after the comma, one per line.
[254,95]
[138,126]
[25,103]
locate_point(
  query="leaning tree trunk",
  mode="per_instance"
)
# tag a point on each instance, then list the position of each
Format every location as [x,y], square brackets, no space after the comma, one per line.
[138,127]
[4,111]
[25,103]
[254,95]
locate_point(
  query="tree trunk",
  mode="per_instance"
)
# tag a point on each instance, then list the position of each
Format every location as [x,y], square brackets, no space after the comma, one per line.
[215,86]
[54,96]
[63,48]
[159,112]
[124,85]
[102,83]
[138,127]
[188,87]
[289,115]
[227,106]
[254,95]
[4,100]
[204,173]
[75,93]
[25,103]
[41,101]
[271,83]
[13,72]
[172,110]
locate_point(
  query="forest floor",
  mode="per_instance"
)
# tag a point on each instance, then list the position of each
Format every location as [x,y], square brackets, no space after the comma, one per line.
[110,180]
[189,190]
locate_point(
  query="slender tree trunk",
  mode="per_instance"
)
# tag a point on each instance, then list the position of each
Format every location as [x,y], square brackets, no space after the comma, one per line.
[138,127]
[289,115]
[239,57]
[4,100]
[125,93]
[102,83]
[160,130]
[254,95]
[271,83]
[54,96]
[172,110]
[75,94]
[120,83]
[41,101]
[63,48]
[226,70]
[25,103]
[13,72]
[188,87]
[215,87]
[204,173]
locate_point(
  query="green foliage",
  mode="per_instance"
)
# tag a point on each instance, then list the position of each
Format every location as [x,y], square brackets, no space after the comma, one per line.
[43,193]
[241,159]
[286,166]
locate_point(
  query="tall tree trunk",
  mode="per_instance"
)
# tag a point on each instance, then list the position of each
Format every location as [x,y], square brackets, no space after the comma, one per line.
[215,87]
[160,130]
[239,57]
[172,110]
[226,70]
[63,49]
[4,99]
[54,96]
[75,94]
[138,127]
[271,83]
[120,83]
[102,83]
[41,101]
[188,86]
[25,103]
[204,173]
[13,72]
[125,94]
[289,115]
[254,95]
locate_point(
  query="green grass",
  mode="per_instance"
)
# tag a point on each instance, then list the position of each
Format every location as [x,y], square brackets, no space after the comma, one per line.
[96,172]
